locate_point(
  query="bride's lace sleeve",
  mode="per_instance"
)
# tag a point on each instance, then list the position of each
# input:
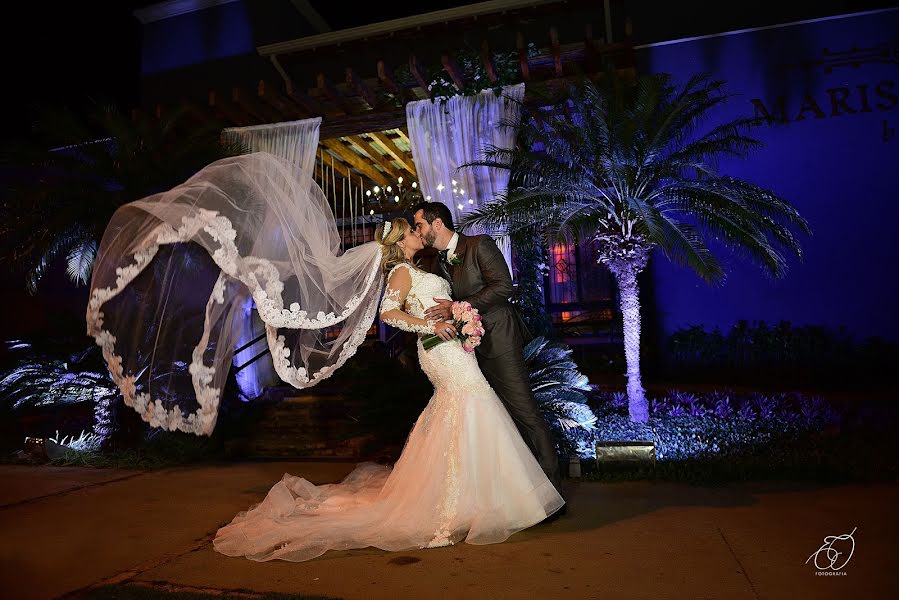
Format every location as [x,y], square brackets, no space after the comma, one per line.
[398,285]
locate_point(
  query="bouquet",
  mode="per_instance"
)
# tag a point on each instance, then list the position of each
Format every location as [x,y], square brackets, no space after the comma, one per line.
[467,322]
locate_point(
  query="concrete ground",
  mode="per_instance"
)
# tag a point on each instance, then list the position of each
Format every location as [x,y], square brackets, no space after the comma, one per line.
[65,529]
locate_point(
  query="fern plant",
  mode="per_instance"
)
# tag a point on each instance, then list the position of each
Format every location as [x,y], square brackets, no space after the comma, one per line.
[558,387]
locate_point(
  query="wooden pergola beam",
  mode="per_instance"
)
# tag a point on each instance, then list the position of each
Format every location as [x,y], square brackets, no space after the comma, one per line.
[488,62]
[337,127]
[404,159]
[418,73]
[252,107]
[306,102]
[345,154]
[403,134]
[226,112]
[383,160]
[385,75]
[556,51]
[327,88]
[340,168]
[268,94]
[363,89]
[522,56]
[453,70]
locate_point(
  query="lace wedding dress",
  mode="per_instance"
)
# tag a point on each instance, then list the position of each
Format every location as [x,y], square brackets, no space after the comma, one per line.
[464,474]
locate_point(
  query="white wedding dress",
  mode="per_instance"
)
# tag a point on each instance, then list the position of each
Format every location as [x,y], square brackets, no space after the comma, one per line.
[465,474]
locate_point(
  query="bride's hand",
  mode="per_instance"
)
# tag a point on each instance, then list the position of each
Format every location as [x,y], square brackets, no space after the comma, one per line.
[445,331]
[442,310]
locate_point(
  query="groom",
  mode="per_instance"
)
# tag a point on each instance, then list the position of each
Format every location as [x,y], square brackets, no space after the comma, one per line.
[477,271]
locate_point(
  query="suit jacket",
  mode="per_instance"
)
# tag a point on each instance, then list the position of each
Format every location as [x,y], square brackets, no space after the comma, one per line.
[484,281]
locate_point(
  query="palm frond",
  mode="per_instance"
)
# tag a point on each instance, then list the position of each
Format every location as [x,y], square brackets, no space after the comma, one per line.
[97,163]
[80,261]
[631,159]
[62,243]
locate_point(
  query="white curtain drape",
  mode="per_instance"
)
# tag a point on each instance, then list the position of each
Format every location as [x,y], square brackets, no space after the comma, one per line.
[446,135]
[296,142]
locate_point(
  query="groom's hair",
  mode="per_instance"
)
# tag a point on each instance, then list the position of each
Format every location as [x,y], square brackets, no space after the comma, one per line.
[433,210]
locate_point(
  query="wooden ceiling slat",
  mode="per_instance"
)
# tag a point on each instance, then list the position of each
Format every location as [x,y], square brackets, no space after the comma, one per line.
[253,108]
[398,155]
[453,70]
[383,160]
[522,56]
[328,89]
[385,75]
[305,102]
[345,154]
[403,134]
[363,89]
[340,168]
[418,73]
[269,94]
[227,112]
[556,52]
[335,127]
[488,62]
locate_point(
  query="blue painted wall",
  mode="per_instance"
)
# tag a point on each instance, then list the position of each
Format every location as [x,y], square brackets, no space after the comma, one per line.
[831,148]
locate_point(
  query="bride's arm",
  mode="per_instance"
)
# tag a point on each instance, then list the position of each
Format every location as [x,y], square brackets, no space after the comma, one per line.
[392,313]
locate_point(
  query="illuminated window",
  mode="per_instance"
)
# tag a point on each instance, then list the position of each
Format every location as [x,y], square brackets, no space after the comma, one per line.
[563,274]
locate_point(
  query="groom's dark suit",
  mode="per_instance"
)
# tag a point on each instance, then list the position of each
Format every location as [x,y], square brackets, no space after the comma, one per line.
[483,280]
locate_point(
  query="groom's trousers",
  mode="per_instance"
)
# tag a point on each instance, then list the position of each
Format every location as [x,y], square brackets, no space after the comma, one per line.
[507,375]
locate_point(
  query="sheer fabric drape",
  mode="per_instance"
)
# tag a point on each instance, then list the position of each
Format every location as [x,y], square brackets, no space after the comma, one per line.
[447,134]
[297,143]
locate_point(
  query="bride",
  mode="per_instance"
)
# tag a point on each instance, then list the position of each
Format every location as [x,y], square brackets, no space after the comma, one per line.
[465,474]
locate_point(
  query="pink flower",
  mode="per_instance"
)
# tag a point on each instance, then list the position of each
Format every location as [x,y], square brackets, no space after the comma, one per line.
[457,311]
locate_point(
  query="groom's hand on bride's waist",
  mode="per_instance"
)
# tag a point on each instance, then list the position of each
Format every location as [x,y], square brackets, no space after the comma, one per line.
[443,310]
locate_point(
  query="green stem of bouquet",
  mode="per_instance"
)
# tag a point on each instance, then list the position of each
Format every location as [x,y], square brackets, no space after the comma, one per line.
[430,341]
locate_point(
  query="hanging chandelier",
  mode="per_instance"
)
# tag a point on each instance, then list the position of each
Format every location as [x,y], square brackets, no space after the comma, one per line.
[396,197]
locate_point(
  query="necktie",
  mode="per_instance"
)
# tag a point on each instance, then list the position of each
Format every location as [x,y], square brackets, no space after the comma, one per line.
[443,264]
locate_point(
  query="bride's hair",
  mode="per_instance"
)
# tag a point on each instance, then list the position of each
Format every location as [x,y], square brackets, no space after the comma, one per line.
[391,254]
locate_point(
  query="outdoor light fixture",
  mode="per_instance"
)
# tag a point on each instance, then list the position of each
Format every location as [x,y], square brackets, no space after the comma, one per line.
[631,452]
[395,197]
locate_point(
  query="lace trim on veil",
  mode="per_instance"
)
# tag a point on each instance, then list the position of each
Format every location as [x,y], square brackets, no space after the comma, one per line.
[269,303]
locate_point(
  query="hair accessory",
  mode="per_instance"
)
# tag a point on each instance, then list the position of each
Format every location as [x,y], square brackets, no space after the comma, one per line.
[387,226]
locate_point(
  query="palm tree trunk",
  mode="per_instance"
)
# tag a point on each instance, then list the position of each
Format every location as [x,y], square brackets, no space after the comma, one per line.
[629,291]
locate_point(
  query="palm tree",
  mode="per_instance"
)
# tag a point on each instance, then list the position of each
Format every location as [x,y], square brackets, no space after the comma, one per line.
[624,163]
[61,199]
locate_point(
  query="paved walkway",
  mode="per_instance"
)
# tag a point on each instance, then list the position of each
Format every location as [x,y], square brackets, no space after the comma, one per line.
[64,529]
